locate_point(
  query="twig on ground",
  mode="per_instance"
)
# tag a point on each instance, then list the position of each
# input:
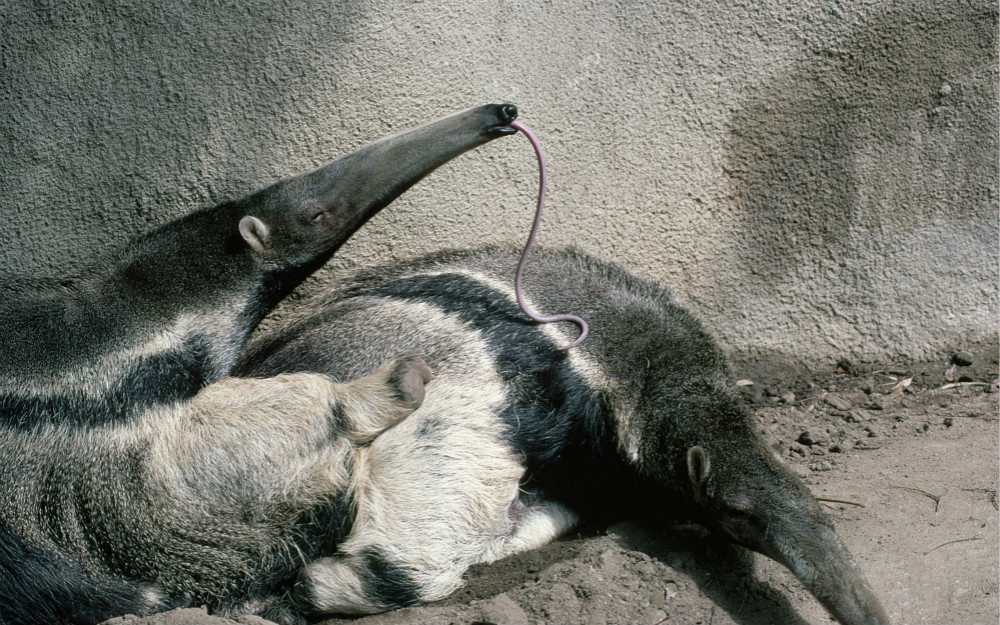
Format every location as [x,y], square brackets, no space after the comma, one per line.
[983,417]
[935,498]
[844,501]
[989,491]
[958,384]
[901,386]
[891,373]
[952,542]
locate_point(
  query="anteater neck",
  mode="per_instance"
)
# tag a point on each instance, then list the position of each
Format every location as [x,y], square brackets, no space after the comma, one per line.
[151,324]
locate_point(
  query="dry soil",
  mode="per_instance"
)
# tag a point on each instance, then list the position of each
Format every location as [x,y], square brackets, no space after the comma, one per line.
[906,454]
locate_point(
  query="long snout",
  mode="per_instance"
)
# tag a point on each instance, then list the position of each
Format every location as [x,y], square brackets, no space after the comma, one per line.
[341,196]
[371,178]
[814,552]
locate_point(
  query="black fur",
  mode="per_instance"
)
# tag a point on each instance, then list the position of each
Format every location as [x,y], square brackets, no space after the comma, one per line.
[158,380]
[554,418]
[41,588]
[387,583]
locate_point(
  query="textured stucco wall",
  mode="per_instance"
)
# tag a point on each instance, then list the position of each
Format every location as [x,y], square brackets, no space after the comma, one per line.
[813,177]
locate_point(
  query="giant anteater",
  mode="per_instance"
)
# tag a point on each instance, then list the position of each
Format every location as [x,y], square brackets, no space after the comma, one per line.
[515,438]
[135,476]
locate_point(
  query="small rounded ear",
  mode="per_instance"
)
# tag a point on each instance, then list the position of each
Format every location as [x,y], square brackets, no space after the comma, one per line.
[255,233]
[698,466]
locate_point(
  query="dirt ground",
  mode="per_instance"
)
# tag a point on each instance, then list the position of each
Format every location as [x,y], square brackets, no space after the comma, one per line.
[908,451]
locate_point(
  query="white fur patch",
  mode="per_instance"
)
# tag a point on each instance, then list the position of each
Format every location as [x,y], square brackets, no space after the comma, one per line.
[540,524]
[433,492]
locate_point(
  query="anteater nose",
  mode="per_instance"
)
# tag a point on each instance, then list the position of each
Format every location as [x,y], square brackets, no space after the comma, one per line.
[508,113]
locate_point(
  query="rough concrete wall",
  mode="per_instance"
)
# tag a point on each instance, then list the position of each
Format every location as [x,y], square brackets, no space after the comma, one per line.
[813,177]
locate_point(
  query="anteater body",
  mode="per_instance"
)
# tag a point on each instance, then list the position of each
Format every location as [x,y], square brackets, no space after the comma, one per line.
[137,476]
[515,438]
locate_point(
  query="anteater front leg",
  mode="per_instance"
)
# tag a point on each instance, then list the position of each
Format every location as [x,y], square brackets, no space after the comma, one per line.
[376,402]
[254,459]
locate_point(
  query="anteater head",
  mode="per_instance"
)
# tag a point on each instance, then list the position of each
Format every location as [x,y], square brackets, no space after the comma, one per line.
[206,279]
[706,447]
[302,220]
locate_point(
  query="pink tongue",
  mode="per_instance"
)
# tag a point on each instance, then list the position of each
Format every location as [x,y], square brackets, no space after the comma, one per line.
[531,240]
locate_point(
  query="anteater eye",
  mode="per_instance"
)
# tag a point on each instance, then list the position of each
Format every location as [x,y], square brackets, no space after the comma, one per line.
[314,214]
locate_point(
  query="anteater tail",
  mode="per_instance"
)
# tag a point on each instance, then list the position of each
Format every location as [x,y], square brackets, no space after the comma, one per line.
[41,588]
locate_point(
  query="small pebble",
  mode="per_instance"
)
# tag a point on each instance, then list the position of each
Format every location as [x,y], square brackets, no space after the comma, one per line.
[962,358]
[788,398]
[837,402]
[753,394]
[822,465]
[502,610]
[848,367]
[251,619]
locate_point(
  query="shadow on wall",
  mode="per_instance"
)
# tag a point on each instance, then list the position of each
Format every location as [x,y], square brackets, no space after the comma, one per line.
[120,116]
[891,129]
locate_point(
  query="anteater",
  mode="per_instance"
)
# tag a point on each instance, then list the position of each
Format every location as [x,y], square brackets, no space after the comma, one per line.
[516,439]
[135,475]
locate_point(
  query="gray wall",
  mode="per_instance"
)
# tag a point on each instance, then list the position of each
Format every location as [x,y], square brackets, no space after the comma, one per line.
[816,178]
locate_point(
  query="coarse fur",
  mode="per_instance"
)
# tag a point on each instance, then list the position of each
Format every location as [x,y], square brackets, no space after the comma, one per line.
[214,501]
[516,438]
[137,476]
